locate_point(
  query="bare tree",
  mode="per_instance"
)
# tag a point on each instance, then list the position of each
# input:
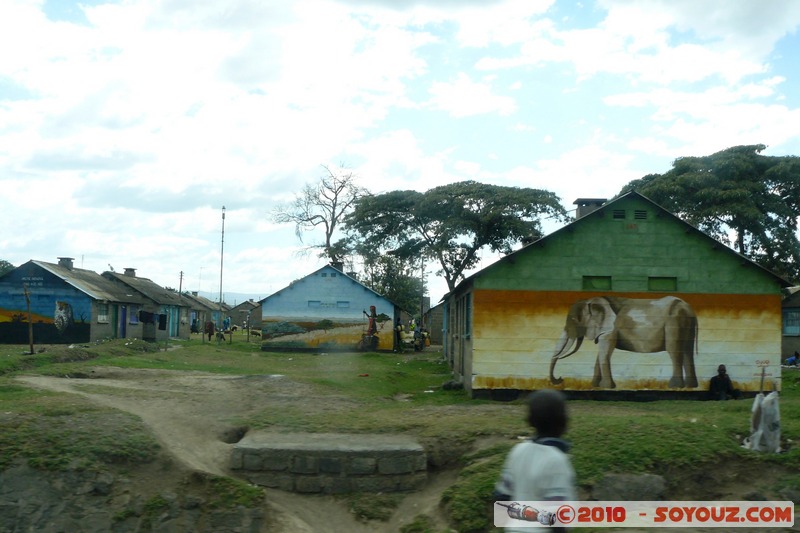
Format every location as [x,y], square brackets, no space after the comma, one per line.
[322,205]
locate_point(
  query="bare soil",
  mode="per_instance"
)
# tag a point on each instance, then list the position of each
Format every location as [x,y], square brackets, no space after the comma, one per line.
[194,417]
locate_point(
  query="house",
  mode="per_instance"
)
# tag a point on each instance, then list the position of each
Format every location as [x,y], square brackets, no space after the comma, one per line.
[434,322]
[247,313]
[66,305]
[627,298]
[791,322]
[202,310]
[166,315]
[325,310]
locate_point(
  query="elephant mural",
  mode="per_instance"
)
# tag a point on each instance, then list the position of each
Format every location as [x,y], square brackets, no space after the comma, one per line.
[636,325]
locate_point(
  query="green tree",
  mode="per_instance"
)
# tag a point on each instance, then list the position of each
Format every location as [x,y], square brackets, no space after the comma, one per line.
[323,205]
[452,223]
[738,196]
[5,266]
[398,279]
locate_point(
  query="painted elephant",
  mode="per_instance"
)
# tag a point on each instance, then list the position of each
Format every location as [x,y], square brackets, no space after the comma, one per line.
[636,325]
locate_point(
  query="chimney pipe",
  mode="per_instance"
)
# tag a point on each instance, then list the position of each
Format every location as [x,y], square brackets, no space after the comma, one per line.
[65,262]
[130,272]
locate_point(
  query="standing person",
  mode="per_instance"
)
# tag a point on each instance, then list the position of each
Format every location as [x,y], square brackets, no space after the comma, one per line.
[720,386]
[209,330]
[398,335]
[540,469]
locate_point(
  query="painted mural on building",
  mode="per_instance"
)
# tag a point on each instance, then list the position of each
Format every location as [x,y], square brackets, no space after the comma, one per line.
[368,332]
[327,310]
[636,341]
[65,321]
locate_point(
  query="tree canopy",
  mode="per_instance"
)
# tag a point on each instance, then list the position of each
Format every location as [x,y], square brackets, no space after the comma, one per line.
[324,205]
[450,224]
[739,197]
[5,266]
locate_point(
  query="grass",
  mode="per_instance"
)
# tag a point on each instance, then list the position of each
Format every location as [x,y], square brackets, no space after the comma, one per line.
[380,393]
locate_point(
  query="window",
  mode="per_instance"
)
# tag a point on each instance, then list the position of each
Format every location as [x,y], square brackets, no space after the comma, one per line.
[102,312]
[333,274]
[597,283]
[640,215]
[342,304]
[314,303]
[791,322]
[662,284]
[324,274]
[133,314]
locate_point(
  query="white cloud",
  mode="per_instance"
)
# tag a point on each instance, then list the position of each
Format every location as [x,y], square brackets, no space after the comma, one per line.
[464,97]
[127,130]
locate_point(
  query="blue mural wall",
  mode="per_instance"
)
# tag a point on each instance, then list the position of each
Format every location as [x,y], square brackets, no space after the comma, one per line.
[59,312]
[325,310]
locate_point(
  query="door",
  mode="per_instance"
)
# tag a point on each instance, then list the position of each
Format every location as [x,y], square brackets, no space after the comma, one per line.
[123,322]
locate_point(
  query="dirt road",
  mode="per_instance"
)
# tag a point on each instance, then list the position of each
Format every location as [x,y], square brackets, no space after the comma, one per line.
[194,417]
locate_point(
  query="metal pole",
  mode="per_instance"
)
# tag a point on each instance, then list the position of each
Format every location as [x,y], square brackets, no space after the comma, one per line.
[30,321]
[221,256]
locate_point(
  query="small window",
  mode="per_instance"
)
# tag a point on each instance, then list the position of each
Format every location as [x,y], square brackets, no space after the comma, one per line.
[324,274]
[619,214]
[133,314]
[662,284]
[791,322]
[314,303]
[333,274]
[640,215]
[342,304]
[597,283]
[102,312]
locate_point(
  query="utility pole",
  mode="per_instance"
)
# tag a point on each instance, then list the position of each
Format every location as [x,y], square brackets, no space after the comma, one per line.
[30,321]
[221,256]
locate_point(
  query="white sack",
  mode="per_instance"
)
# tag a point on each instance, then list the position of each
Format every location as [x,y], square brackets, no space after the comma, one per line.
[765,425]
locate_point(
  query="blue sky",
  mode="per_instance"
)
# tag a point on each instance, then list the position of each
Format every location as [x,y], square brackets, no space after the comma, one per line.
[126,126]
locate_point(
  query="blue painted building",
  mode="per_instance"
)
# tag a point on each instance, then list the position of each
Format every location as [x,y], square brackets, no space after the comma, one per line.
[65,304]
[326,310]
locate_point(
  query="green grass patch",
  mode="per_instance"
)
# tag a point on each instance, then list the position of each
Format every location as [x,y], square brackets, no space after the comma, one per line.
[61,431]
[370,506]
[228,492]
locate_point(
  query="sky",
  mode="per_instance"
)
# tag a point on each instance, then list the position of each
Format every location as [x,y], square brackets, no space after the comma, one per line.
[126,126]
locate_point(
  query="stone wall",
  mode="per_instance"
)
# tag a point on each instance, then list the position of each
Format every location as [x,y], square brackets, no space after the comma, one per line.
[331,463]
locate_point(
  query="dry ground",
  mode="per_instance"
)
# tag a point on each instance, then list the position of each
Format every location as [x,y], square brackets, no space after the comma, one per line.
[193,415]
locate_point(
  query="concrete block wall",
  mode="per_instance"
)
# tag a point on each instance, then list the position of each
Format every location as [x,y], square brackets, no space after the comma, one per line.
[331,463]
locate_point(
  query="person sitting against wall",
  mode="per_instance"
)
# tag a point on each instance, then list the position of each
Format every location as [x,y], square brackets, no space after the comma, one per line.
[721,388]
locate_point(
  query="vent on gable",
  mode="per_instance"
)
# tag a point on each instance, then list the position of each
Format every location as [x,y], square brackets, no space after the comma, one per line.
[618,214]
[640,214]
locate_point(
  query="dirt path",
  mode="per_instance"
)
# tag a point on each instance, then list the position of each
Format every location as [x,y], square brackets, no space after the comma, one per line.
[192,415]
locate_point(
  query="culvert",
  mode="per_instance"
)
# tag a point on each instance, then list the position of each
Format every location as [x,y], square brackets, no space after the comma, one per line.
[331,463]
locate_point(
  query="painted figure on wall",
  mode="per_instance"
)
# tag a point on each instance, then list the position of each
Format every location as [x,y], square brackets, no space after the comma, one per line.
[635,325]
[62,318]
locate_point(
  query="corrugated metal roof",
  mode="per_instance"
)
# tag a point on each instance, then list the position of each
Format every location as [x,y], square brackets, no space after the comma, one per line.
[146,287]
[91,283]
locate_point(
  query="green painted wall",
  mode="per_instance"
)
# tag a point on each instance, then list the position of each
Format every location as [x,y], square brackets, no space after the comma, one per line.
[630,250]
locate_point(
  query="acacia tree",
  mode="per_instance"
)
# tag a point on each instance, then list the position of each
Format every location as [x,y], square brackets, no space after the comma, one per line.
[739,197]
[452,223]
[5,266]
[322,205]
